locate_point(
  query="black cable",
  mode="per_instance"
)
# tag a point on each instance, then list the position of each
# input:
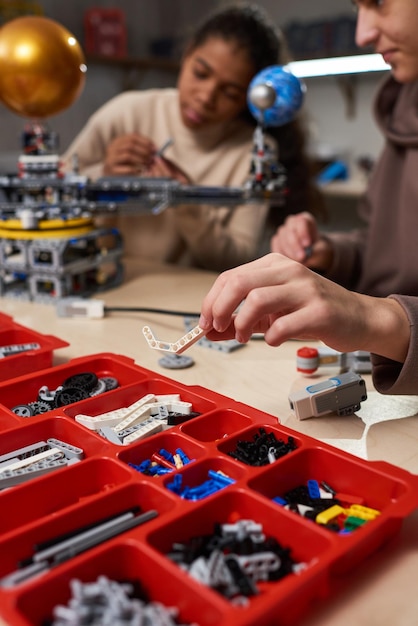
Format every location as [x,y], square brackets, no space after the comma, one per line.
[128,309]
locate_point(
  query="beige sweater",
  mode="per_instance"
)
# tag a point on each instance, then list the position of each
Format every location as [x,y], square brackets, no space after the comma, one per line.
[203,236]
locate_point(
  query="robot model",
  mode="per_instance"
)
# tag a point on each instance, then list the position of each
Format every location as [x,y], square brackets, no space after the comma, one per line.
[274,97]
[50,246]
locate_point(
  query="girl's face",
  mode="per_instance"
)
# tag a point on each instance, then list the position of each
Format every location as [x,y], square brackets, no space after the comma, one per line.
[213,83]
[391,27]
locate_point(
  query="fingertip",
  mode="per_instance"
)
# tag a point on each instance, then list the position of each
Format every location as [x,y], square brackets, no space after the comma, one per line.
[204,323]
[240,338]
[221,325]
[218,326]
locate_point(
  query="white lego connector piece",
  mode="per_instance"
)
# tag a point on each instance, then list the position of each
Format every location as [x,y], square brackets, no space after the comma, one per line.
[185,408]
[80,307]
[113,418]
[70,452]
[53,454]
[23,453]
[149,427]
[134,412]
[141,418]
[18,476]
[142,411]
[104,419]
[226,345]
[136,417]
[167,397]
[177,347]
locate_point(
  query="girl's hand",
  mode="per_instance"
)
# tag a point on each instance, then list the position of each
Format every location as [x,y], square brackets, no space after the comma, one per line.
[129,155]
[162,167]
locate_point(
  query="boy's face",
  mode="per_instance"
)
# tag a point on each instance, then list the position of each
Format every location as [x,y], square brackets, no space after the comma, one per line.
[391,27]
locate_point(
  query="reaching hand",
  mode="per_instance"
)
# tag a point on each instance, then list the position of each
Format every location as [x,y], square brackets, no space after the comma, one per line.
[283,299]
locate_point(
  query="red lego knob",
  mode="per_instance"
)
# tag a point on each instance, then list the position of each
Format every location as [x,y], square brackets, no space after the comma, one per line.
[307,360]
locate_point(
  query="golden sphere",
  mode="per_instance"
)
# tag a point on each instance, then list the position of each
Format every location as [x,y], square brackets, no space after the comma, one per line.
[42,67]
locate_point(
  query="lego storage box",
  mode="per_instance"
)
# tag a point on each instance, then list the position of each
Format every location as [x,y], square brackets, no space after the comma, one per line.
[104,478]
[38,353]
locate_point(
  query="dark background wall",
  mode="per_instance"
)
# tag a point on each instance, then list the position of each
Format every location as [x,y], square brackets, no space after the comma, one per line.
[148,21]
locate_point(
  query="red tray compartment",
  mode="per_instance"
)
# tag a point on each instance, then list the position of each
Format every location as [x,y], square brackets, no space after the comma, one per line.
[220,424]
[126,395]
[18,364]
[123,560]
[24,389]
[283,597]
[104,484]
[169,440]
[229,444]
[134,383]
[383,487]
[89,480]
[20,544]
[57,427]
[7,421]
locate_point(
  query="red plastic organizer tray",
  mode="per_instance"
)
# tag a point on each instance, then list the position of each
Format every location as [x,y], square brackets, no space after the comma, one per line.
[17,364]
[104,482]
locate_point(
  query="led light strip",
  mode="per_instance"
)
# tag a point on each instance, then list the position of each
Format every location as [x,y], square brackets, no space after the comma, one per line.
[355,64]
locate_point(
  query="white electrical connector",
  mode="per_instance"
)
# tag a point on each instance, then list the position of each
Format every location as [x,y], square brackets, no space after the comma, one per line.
[80,307]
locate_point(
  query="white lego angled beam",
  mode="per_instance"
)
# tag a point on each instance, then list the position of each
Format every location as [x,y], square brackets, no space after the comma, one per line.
[177,347]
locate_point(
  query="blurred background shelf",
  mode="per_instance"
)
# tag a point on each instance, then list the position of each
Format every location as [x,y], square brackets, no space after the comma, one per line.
[141,63]
[352,188]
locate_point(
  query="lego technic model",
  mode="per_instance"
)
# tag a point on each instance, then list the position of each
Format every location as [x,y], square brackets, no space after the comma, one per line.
[50,246]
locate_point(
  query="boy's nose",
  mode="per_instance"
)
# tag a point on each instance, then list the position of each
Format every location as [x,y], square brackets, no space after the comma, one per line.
[366,29]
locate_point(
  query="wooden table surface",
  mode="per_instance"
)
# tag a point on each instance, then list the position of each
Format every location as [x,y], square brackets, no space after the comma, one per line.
[383,591]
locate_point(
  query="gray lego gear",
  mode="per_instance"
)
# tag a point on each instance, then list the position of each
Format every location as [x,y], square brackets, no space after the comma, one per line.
[175,361]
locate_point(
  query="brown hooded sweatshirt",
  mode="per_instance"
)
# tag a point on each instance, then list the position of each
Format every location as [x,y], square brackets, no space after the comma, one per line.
[382,258]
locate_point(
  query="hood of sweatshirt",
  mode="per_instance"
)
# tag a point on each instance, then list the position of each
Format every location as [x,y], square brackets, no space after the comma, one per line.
[396,111]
